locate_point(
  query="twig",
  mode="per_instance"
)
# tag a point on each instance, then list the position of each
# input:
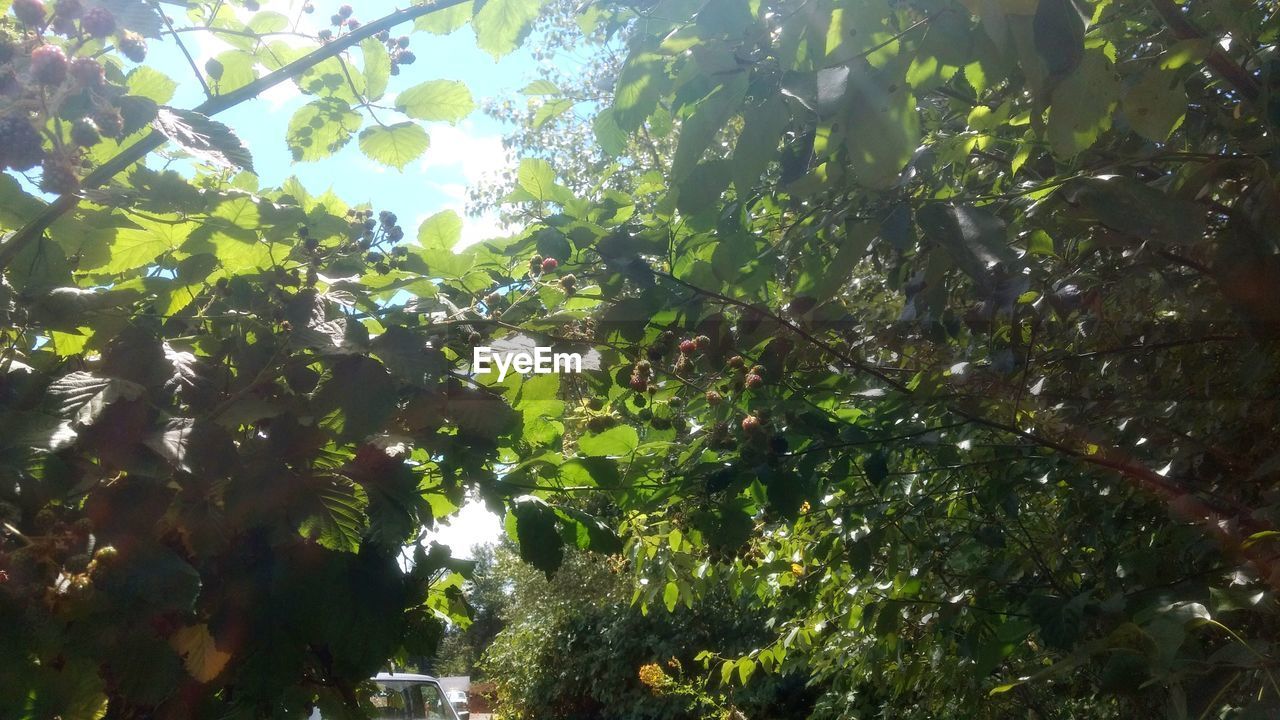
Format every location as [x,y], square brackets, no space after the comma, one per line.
[182,46]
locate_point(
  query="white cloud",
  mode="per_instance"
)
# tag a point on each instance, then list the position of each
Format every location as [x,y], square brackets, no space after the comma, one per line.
[460,148]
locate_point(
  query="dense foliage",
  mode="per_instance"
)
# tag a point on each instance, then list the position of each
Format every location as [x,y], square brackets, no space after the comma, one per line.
[575,647]
[944,336]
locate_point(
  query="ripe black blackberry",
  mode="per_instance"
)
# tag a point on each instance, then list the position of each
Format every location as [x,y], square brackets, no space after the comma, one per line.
[88,72]
[20,146]
[85,133]
[133,46]
[110,122]
[59,176]
[98,22]
[69,8]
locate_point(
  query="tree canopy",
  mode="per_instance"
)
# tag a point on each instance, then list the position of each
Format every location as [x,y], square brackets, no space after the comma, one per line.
[941,333]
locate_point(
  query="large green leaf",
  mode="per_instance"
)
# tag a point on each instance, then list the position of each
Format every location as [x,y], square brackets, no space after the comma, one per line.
[1156,104]
[321,128]
[1082,105]
[443,100]
[707,118]
[208,140]
[532,524]
[974,237]
[443,22]
[394,145]
[501,25]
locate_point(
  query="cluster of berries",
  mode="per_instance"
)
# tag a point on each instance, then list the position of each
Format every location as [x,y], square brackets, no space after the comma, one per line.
[36,72]
[539,265]
[642,377]
[71,19]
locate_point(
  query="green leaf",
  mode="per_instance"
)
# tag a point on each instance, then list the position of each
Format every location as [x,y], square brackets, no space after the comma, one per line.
[709,116]
[612,139]
[208,140]
[614,442]
[321,128]
[395,145]
[237,69]
[441,232]
[443,22]
[541,87]
[1082,105]
[1059,35]
[1156,104]
[549,111]
[671,596]
[642,80]
[377,67]
[147,82]
[759,143]
[975,238]
[1137,210]
[532,524]
[501,25]
[883,127]
[537,178]
[82,397]
[338,521]
[443,100]
[355,397]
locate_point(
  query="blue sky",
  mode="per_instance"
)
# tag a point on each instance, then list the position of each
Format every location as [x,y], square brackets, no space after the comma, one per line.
[459,155]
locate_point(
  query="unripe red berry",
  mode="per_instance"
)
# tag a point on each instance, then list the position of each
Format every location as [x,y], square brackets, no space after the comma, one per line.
[639,384]
[30,12]
[48,65]
[687,347]
[736,361]
[714,398]
[754,381]
[87,72]
[750,424]
[550,264]
[702,342]
[353,24]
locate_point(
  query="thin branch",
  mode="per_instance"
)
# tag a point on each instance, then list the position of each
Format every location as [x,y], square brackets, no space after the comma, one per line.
[135,152]
[182,46]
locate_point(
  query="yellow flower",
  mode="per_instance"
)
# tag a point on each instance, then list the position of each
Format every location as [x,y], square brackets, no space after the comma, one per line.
[797,569]
[804,507]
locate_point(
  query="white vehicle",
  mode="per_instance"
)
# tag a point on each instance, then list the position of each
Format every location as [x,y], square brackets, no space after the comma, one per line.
[405,696]
[458,699]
